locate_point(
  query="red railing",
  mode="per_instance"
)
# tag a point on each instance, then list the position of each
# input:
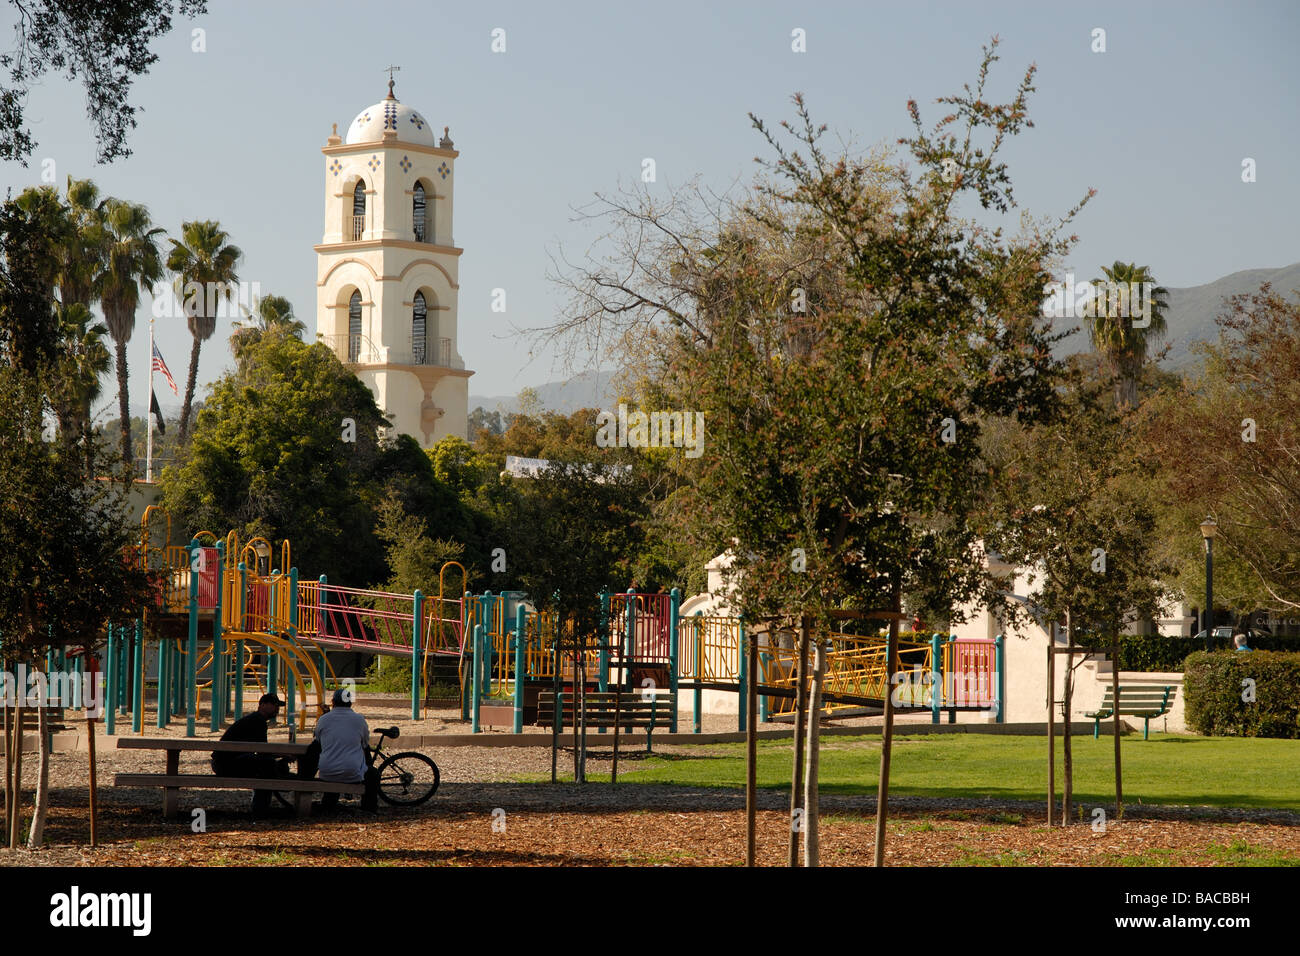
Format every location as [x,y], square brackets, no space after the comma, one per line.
[969,673]
[356,619]
[650,620]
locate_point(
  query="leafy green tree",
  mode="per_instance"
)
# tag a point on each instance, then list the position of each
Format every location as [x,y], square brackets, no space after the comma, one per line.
[131,264]
[32,230]
[289,445]
[84,361]
[205,266]
[1122,342]
[1228,442]
[272,311]
[104,44]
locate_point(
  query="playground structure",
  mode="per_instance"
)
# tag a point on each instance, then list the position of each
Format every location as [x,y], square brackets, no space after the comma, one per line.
[271,630]
[267,628]
[645,645]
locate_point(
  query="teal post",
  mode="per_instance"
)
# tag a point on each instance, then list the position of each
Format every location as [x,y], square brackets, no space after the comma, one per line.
[742,711]
[630,647]
[191,658]
[240,659]
[466,633]
[220,660]
[123,668]
[74,669]
[137,690]
[763,705]
[110,691]
[1000,690]
[163,702]
[417,650]
[291,691]
[178,682]
[272,661]
[936,677]
[699,691]
[604,643]
[674,638]
[474,688]
[521,640]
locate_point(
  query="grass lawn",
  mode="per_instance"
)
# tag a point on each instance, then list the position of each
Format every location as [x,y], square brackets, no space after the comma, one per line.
[1168,769]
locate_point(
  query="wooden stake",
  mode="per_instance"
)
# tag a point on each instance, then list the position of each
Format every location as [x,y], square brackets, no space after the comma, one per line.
[1067,762]
[1114,693]
[800,714]
[811,840]
[751,752]
[1051,723]
[16,800]
[887,737]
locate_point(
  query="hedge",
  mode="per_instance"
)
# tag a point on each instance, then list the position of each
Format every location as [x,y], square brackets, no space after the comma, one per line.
[1217,699]
[1155,653]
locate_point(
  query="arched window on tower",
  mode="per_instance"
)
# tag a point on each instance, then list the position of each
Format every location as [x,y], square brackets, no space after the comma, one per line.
[419,327]
[358,211]
[354,327]
[418,213]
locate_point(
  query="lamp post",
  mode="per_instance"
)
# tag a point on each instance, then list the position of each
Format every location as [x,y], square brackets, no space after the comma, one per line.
[1209,528]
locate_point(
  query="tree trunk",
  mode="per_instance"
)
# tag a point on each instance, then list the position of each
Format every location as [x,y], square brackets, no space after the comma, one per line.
[90,740]
[16,784]
[1067,762]
[124,410]
[9,759]
[37,831]
[887,734]
[798,816]
[811,842]
[189,387]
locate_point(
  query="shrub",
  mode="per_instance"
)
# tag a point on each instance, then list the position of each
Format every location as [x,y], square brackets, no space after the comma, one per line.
[1219,703]
[1156,653]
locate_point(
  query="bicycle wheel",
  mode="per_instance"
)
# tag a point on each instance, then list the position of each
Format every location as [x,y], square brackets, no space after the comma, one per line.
[407,779]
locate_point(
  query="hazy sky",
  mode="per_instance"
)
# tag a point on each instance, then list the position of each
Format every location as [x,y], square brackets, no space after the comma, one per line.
[1159,124]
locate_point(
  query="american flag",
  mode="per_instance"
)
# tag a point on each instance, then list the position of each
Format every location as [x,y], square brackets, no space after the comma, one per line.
[160,366]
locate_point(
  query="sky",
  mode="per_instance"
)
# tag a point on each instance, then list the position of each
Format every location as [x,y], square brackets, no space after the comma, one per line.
[1159,124]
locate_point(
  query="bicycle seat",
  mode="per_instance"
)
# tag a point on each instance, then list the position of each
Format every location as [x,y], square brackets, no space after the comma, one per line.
[390,732]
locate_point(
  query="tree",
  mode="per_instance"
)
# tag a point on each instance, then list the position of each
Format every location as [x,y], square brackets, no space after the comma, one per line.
[271,312]
[1073,501]
[1122,342]
[84,361]
[64,552]
[1229,446]
[205,267]
[289,446]
[843,339]
[32,230]
[131,264]
[105,44]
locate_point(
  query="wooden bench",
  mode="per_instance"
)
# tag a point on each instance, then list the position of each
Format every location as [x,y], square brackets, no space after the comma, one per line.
[173,781]
[637,710]
[1135,700]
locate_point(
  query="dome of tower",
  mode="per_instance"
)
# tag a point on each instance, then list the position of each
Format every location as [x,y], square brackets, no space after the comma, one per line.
[388,114]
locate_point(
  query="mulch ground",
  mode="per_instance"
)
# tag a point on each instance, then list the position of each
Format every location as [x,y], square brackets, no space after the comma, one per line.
[543,824]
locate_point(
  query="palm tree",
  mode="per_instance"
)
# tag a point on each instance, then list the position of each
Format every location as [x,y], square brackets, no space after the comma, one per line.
[273,313]
[132,263]
[85,248]
[84,362]
[202,261]
[1120,343]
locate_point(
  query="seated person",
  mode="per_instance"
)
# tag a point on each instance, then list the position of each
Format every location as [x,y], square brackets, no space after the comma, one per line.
[1239,642]
[251,728]
[344,751]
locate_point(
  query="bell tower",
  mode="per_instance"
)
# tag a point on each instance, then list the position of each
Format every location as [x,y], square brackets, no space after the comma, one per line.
[387,267]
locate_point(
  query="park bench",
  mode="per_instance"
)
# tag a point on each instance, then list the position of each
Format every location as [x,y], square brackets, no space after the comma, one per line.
[173,781]
[1142,700]
[637,710]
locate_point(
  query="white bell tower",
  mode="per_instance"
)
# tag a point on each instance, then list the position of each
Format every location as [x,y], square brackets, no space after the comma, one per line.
[387,267]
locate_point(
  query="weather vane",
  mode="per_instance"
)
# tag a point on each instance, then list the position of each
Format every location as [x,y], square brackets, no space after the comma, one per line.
[390,71]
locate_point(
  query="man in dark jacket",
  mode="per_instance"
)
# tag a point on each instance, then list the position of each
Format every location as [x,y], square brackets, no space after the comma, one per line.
[251,728]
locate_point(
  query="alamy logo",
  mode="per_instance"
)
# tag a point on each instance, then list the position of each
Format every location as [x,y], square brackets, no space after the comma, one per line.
[51,689]
[1085,300]
[655,430]
[74,908]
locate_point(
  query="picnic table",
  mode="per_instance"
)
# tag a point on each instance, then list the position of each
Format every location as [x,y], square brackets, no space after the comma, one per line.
[172,781]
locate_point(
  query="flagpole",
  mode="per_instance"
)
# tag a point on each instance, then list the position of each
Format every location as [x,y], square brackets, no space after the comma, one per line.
[148,415]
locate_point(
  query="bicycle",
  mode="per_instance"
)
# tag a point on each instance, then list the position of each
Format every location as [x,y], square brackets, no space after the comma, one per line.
[406,779]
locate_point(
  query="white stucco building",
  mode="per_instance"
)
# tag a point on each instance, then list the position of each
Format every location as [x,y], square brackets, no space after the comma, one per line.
[387,267]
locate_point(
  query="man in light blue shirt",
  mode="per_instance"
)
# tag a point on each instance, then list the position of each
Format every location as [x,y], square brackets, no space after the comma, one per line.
[344,751]
[1240,641]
